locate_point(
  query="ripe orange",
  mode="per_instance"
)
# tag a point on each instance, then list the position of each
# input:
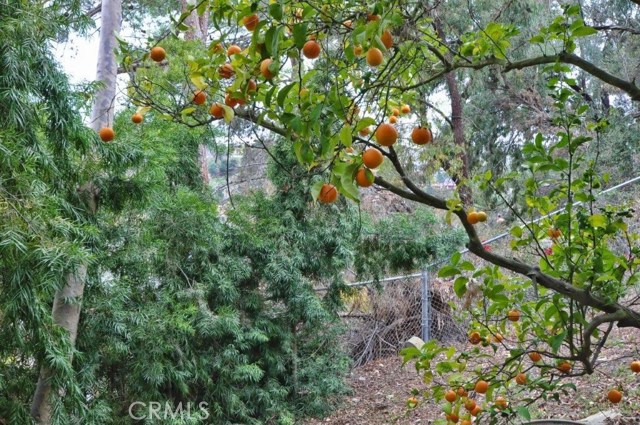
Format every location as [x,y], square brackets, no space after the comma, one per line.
[217,48]
[405,109]
[365,131]
[372,158]
[476,411]
[386,134]
[635,366]
[482,216]
[231,102]
[614,396]
[216,110]
[475,338]
[453,418]
[158,54]
[137,118]
[470,404]
[513,315]
[535,356]
[373,17]
[387,39]
[498,338]
[106,134]
[472,217]
[481,387]
[374,56]
[393,119]
[462,392]
[311,49]
[465,422]
[234,49]
[554,233]
[250,22]
[395,112]
[357,50]
[521,379]
[199,97]
[450,396]
[251,86]
[501,403]
[328,194]
[226,71]
[564,367]
[421,135]
[361,178]
[264,68]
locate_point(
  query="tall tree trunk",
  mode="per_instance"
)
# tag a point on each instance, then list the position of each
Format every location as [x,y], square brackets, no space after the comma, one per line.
[457,125]
[459,140]
[198,30]
[67,301]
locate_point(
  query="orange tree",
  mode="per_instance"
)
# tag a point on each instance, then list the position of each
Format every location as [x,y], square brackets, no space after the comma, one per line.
[345,83]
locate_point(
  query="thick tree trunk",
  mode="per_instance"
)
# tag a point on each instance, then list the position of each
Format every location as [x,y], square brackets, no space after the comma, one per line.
[66,315]
[67,301]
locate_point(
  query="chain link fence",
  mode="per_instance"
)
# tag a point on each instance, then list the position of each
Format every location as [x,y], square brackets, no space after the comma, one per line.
[381,316]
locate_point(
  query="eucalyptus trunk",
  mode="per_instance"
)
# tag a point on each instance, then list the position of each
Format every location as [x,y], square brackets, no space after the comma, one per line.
[68,300]
[198,30]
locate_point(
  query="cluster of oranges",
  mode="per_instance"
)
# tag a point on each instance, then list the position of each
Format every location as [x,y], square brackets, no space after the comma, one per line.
[386,135]
[311,50]
[475,217]
[614,395]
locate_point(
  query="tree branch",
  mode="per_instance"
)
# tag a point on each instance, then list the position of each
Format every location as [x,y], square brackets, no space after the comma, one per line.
[616,28]
[94,10]
[569,58]
[585,352]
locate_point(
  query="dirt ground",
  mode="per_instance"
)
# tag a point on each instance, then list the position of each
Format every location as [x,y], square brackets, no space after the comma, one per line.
[381,388]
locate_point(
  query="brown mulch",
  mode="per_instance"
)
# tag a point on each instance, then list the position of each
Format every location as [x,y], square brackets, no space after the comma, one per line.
[381,388]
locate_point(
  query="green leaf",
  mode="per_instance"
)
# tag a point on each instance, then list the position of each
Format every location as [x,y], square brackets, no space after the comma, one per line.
[349,189]
[282,94]
[202,7]
[228,113]
[556,341]
[455,258]
[460,286]
[448,271]
[198,80]
[584,31]
[315,189]
[276,41]
[516,231]
[365,122]
[524,412]
[269,95]
[345,135]
[598,220]
[276,11]
[300,35]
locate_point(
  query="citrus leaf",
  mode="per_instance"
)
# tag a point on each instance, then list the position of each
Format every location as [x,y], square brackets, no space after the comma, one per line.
[228,113]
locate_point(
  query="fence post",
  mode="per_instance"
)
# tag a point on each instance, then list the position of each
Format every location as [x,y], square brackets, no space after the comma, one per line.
[426,305]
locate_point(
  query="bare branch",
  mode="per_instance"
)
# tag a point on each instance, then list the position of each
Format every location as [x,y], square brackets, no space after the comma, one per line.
[94,10]
[616,28]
